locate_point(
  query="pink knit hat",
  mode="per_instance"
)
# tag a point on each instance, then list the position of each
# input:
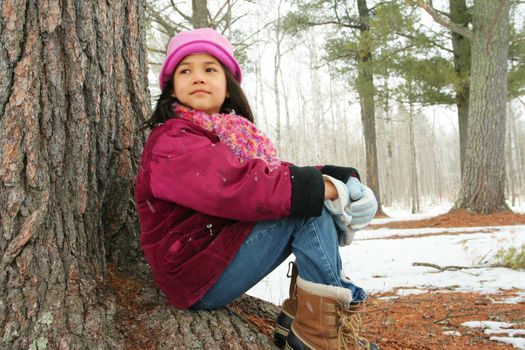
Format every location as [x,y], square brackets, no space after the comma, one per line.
[203,40]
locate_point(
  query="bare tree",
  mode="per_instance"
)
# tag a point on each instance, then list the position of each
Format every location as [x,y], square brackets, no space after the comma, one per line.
[279,37]
[413,158]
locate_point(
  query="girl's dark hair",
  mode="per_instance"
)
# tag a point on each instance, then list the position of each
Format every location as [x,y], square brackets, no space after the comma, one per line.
[235,102]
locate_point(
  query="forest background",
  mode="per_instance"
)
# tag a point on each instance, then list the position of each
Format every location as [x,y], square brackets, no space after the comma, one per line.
[304,78]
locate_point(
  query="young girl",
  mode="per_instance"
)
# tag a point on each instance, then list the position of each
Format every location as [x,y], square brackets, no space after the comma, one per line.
[219,211]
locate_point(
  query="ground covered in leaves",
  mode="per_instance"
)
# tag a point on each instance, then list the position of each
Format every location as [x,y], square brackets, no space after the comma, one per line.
[459,218]
[434,320]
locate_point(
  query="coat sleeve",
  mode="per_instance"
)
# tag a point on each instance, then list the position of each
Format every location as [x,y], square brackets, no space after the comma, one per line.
[189,169]
[341,173]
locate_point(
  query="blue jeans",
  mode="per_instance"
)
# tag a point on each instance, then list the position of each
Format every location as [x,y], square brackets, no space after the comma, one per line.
[312,240]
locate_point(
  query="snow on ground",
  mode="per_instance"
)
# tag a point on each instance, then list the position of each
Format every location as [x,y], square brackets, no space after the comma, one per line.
[491,327]
[519,298]
[379,264]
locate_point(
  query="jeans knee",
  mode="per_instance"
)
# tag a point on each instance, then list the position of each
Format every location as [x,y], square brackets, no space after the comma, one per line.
[324,221]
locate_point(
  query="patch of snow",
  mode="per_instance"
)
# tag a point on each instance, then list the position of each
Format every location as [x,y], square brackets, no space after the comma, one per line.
[520,209]
[487,324]
[452,333]
[390,297]
[411,291]
[518,343]
[396,214]
[520,298]
[510,332]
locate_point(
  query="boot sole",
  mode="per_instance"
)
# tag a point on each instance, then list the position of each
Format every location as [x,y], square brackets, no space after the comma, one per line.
[293,342]
[282,328]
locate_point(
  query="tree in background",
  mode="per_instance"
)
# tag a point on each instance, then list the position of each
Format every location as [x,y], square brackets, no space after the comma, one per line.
[413,74]
[376,44]
[460,14]
[483,182]
[457,20]
[340,15]
[423,81]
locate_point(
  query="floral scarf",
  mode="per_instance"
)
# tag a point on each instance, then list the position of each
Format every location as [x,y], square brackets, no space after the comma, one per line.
[237,132]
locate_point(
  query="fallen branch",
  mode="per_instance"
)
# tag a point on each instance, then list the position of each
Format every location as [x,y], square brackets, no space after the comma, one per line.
[446,268]
[445,320]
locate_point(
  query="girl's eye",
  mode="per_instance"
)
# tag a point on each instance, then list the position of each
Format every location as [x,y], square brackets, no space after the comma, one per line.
[210,69]
[184,71]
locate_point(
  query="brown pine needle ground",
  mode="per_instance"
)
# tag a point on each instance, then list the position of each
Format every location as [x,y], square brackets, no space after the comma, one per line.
[459,218]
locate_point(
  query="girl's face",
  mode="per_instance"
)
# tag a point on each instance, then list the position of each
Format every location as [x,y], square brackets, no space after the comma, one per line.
[200,83]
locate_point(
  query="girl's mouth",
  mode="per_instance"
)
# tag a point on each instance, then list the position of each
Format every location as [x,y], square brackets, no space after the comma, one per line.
[199,92]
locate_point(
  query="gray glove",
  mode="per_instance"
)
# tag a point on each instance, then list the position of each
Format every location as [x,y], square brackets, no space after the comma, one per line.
[356,189]
[342,219]
[363,210]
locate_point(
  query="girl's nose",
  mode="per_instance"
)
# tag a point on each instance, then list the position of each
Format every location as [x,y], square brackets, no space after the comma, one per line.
[198,78]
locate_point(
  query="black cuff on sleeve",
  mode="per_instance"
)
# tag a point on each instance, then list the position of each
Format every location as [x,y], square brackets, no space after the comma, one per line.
[340,173]
[307,191]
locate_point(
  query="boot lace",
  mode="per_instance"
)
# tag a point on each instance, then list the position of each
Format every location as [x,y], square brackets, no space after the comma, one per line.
[348,331]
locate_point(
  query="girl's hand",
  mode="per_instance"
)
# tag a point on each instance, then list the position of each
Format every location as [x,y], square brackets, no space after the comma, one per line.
[356,189]
[330,192]
[362,210]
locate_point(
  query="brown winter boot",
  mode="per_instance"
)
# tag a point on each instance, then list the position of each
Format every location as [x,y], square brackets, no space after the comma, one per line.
[325,319]
[288,309]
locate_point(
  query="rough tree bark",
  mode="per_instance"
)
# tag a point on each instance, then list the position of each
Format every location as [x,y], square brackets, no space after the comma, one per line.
[509,160]
[366,91]
[483,182]
[200,14]
[460,15]
[72,95]
[73,91]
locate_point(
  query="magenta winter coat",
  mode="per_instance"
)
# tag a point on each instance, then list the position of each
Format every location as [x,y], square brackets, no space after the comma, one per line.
[197,203]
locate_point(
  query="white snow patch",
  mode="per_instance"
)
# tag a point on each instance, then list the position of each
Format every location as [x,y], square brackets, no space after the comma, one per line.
[519,298]
[518,343]
[396,214]
[411,291]
[452,333]
[493,325]
[509,332]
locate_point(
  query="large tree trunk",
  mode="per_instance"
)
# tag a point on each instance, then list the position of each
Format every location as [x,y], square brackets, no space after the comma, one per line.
[366,91]
[72,96]
[74,91]
[461,47]
[483,183]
